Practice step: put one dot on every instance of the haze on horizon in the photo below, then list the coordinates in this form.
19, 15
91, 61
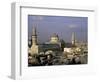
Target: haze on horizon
61, 25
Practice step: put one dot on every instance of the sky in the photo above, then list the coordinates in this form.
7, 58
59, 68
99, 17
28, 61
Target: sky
62, 25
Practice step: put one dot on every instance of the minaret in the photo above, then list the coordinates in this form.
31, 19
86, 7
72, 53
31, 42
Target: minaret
34, 48
34, 36
73, 38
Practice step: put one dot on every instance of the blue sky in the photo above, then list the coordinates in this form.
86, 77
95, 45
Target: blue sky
62, 25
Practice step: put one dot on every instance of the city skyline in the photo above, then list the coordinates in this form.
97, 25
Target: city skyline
61, 25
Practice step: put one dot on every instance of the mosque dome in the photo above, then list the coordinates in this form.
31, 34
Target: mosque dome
54, 38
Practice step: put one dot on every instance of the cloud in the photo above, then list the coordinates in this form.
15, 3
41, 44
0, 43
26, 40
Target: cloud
72, 26
39, 18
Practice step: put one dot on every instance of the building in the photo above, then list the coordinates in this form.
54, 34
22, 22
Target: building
70, 46
52, 47
54, 39
54, 44
73, 38
55, 51
33, 47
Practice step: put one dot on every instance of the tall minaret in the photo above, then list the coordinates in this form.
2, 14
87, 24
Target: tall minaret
73, 38
34, 36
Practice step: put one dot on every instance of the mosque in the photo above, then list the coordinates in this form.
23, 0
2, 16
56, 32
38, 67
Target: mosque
55, 51
54, 44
